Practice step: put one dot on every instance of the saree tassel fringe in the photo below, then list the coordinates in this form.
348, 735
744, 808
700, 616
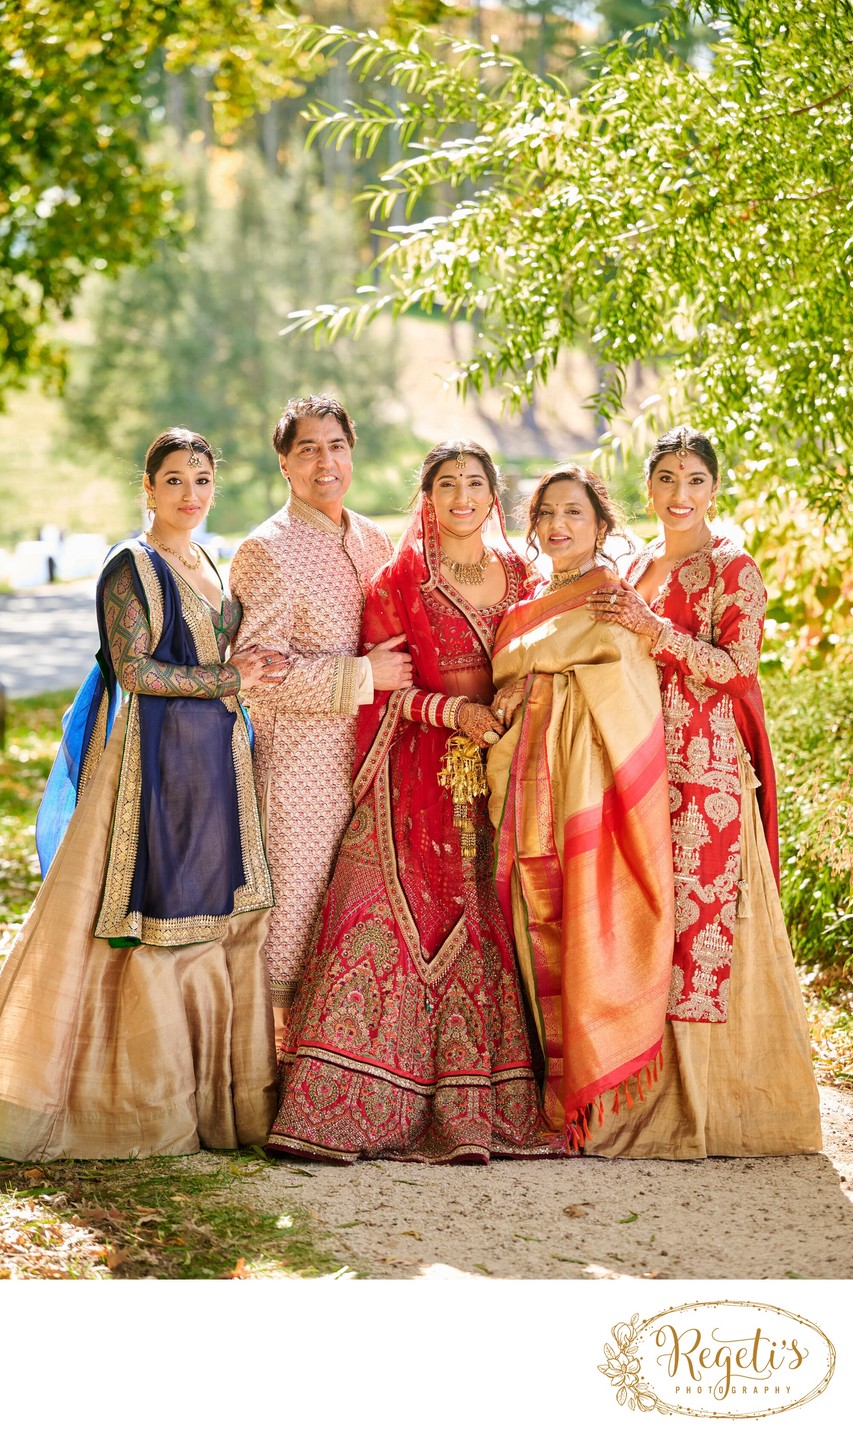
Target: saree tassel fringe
574, 1133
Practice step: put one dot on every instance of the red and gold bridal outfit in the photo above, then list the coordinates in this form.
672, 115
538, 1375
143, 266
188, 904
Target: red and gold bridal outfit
407, 1037
738, 1076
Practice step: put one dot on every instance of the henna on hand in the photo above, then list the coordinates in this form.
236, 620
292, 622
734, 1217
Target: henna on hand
619, 603
478, 722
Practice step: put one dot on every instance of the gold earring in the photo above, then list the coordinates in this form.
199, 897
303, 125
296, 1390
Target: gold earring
650, 508
150, 501
712, 509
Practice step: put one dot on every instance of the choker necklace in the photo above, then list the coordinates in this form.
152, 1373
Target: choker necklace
187, 563
561, 577
468, 573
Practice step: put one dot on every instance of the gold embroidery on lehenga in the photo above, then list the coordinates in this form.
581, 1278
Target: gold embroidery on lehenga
95, 748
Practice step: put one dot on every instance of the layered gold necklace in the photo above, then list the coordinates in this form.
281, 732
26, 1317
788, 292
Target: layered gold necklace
468, 573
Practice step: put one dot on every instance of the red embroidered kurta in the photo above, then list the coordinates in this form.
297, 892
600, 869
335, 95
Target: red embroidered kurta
713, 605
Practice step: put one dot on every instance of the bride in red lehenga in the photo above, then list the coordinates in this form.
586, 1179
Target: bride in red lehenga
408, 1036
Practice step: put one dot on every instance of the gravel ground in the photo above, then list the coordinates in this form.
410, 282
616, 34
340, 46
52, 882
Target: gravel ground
587, 1218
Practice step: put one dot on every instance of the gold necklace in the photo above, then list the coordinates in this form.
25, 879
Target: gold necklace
561, 577
186, 562
468, 573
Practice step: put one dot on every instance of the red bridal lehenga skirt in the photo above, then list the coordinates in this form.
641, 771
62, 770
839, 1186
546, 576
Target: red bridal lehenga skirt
395, 1054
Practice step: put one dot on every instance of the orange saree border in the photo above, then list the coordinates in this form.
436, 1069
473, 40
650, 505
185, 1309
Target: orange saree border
520, 619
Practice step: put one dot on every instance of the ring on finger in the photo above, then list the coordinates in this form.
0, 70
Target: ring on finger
613, 598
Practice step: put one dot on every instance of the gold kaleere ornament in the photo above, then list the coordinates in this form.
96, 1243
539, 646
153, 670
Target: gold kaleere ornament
464, 773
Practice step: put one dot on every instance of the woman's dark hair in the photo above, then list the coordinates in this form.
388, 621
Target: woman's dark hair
316, 406
676, 441
607, 511
450, 451
169, 442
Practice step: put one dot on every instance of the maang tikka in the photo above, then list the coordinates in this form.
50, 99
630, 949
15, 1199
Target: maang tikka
682, 453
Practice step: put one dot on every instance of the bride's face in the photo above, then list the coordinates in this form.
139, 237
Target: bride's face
567, 527
462, 497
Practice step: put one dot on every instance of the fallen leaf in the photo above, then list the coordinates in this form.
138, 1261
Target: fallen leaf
410, 1232
575, 1209
35, 1175
239, 1269
5, 1272
116, 1256
632, 1217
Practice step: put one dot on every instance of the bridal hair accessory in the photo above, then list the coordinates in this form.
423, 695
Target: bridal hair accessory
464, 773
461, 462
195, 461
682, 453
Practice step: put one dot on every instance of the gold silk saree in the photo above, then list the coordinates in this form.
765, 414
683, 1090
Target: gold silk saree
580, 802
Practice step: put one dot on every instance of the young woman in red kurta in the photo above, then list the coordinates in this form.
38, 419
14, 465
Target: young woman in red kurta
740, 1076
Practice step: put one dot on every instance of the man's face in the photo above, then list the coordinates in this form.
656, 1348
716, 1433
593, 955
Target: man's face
319, 465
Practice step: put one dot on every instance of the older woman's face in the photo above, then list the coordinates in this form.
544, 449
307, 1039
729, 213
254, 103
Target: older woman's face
567, 527
681, 489
461, 496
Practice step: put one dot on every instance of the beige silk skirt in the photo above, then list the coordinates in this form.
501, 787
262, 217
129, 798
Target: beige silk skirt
122, 1052
746, 1087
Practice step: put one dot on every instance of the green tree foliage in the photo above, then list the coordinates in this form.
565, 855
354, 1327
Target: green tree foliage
193, 338
699, 220
78, 188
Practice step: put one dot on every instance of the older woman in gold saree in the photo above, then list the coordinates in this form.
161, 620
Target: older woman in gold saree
581, 805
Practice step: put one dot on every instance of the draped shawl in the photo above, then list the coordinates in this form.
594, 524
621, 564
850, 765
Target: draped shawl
580, 800
185, 848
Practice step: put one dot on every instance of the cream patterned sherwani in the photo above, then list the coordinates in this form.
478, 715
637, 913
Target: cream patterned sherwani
300, 579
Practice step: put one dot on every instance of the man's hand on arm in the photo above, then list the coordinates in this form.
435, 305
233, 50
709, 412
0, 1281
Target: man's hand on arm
391, 668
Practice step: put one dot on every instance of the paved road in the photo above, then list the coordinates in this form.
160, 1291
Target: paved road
48, 638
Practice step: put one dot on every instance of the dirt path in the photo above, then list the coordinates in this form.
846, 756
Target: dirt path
722, 1218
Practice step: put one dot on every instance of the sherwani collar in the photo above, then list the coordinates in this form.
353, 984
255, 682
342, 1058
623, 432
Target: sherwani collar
316, 518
